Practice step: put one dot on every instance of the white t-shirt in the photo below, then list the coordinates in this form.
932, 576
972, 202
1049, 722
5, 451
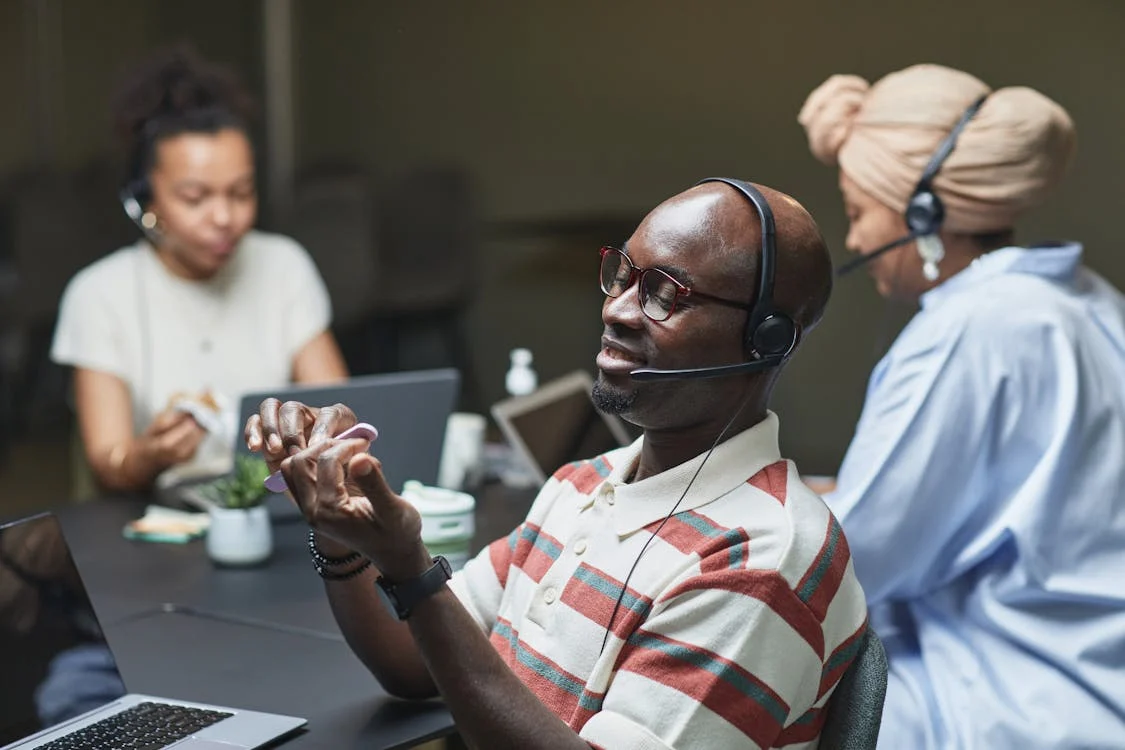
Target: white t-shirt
129, 316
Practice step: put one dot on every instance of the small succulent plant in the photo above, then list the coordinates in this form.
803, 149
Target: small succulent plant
243, 488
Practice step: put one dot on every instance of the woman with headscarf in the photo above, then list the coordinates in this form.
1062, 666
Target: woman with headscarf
983, 494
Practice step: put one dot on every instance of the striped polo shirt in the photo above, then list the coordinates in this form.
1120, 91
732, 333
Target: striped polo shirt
737, 622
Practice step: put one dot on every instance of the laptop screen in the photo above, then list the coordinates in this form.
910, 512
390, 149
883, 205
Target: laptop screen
54, 661
558, 424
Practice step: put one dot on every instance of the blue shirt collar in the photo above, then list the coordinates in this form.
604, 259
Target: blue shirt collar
1058, 262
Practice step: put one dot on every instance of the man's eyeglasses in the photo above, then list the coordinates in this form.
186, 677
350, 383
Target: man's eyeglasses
656, 290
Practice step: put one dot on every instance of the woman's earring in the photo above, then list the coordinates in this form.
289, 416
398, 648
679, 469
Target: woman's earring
148, 220
932, 251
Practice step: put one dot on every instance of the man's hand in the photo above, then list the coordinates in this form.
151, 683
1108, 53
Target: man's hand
342, 493
280, 430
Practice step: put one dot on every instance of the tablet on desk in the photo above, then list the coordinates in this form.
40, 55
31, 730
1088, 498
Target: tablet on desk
558, 424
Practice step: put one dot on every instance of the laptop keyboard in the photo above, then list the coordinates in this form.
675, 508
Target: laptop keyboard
145, 726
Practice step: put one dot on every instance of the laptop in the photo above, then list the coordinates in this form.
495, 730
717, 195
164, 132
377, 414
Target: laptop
558, 424
410, 409
59, 684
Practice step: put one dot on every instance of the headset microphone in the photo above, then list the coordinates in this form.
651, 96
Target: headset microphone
647, 374
865, 259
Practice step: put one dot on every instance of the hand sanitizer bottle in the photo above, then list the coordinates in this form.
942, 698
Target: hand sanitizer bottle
521, 378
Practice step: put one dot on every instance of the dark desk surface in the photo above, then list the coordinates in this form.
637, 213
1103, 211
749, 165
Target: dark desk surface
259, 638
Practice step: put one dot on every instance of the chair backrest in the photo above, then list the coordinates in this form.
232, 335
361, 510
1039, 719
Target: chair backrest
57, 224
855, 709
427, 247
334, 217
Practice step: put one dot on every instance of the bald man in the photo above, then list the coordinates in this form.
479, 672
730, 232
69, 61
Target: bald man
684, 591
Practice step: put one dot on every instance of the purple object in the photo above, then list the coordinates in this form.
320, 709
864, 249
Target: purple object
275, 482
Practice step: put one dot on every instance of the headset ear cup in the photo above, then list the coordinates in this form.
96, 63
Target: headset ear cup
774, 336
924, 213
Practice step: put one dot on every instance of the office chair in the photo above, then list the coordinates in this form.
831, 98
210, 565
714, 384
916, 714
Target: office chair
855, 710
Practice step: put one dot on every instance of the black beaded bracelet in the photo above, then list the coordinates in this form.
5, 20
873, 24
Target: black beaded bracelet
329, 575
323, 560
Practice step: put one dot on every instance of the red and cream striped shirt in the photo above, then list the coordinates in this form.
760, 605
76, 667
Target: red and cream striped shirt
737, 623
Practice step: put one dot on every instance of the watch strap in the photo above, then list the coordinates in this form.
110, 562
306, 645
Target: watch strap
402, 597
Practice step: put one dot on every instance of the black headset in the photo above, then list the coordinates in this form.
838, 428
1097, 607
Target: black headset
134, 196
925, 213
771, 334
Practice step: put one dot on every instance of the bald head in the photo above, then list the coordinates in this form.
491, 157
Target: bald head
726, 221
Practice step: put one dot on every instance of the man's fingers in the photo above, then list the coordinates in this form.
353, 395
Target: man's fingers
270, 425
330, 466
252, 433
294, 417
366, 472
330, 422
300, 472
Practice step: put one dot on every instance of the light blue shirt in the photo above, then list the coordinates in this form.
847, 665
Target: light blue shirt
983, 498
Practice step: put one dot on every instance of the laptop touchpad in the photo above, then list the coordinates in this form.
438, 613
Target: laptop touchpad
194, 743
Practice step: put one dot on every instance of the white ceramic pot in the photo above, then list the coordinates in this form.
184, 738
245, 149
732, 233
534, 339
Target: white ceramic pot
239, 536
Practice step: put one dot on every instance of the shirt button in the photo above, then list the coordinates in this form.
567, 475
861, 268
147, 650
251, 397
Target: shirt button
609, 498
549, 595
580, 546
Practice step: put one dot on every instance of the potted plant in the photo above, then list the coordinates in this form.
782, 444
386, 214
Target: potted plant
239, 533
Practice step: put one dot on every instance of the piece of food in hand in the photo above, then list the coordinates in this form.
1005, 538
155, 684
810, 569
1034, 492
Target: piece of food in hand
206, 399
203, 407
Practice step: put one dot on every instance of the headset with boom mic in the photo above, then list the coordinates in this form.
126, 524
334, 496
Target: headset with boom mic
132, 198
770, 334
925, 212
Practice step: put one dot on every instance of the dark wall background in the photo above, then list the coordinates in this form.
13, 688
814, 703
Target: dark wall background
572, 119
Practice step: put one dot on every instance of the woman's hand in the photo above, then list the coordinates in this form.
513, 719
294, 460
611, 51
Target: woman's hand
171, 439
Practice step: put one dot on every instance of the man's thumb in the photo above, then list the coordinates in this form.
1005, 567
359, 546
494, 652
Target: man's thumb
367, 473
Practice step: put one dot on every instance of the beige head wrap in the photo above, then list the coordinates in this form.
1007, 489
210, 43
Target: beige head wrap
1008, 158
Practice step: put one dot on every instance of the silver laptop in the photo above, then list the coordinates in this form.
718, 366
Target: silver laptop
558, 424
59, 684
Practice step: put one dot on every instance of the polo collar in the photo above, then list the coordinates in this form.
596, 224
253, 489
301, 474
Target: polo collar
734, 461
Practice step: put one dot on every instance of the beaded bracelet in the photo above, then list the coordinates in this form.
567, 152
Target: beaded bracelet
329, 575
324, 560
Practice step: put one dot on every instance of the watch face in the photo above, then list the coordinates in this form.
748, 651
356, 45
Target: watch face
445, 566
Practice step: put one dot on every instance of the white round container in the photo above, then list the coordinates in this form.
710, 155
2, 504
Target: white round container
447, 520
238, 536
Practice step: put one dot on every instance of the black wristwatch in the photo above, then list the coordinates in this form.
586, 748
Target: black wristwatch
402, 597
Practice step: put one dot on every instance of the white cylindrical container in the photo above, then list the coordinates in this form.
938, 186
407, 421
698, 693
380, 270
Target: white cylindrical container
460, 466
239, 536
447, 520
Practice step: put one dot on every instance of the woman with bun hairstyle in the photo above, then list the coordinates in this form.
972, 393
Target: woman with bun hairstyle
983, 494
164, 335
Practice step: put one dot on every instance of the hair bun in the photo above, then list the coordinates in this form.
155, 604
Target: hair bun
174, 83
829, 112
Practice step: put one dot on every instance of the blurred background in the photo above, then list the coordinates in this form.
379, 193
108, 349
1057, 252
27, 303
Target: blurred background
454, 167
